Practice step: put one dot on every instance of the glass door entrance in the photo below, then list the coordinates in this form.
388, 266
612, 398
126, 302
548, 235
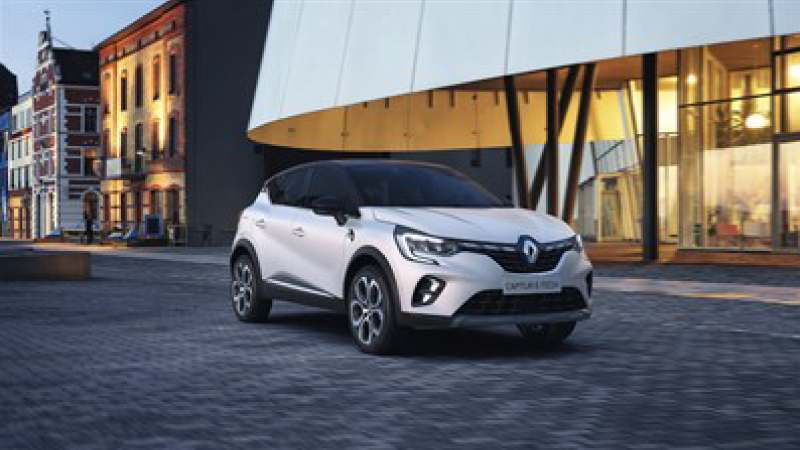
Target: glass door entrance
788, 198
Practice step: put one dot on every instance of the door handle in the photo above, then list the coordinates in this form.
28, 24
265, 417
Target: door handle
299, 232
261, 223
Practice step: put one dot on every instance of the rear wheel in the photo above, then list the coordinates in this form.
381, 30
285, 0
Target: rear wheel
371, 312
247, 303
546, 335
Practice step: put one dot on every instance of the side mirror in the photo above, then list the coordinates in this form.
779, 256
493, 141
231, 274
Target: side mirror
330, 206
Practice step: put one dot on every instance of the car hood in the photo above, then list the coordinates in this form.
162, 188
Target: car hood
500, 225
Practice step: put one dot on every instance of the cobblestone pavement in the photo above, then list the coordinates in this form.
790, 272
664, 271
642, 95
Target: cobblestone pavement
148, 355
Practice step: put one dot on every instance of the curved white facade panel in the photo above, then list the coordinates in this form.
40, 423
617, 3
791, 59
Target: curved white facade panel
660, 25
556, 33
461, 42
322, 54
319, 50
381, 50
275, 65
787, 16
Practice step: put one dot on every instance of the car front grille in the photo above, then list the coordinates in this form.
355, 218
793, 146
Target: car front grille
517, 262
494, 303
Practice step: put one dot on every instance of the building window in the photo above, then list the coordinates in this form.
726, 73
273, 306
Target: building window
104, 145
155, 202
137, 139
156, 77
106, 208
173, 207
107, 85
123, 211
172, 145
88, 167
123, 143
123, 91
137, 206
139, 88
90, 120
726, 147
173, 74
154, 144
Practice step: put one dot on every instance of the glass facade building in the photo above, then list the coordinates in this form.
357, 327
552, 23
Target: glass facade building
739, 171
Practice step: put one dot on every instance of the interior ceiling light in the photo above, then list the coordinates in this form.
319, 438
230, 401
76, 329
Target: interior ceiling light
755, 121
691, 79
794, 71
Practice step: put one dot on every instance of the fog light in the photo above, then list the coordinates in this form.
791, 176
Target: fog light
427, 291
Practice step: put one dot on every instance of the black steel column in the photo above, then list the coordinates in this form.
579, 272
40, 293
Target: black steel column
576, 161
650, 159
563, 107
517, 147
551, 148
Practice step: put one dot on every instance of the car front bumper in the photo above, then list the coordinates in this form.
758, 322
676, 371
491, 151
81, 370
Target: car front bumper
473, 294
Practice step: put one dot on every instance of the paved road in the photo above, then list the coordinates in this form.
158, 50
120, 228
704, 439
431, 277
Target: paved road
147, 355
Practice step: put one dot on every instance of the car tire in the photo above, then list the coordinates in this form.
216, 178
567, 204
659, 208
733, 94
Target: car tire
546, 335
371, 312
248, 304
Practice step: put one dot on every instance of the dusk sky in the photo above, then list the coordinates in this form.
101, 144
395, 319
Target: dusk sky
80, 23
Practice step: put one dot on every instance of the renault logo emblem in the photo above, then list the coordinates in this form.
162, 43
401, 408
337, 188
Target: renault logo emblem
529, 249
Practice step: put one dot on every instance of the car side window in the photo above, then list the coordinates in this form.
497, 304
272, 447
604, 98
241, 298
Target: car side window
288, 189
326, 182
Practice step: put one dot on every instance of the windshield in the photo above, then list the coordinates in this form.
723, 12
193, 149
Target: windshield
415, 185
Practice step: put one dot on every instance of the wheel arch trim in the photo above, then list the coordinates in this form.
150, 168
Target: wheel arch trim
246, 246
373, 253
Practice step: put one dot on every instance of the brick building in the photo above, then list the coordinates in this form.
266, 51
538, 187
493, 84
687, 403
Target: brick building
177, 85
65, 134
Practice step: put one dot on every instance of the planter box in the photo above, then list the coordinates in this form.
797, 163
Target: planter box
33, 265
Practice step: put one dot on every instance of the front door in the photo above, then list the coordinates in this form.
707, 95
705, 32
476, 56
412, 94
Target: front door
788, 195
319, 241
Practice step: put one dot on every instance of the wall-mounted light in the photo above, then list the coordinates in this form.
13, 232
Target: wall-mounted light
691, 79
755, 121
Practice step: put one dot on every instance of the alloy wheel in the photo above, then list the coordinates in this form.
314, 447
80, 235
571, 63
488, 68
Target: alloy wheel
367, 310
242, 288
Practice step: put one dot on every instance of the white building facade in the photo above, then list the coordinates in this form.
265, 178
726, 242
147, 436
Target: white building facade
20, 169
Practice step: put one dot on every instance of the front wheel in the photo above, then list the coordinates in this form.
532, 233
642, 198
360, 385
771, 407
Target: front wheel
371, 312
247, 303
546, 335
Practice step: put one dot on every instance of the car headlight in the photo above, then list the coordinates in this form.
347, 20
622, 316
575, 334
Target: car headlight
420, 247
577, 243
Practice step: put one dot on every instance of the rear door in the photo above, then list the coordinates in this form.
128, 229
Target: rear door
276, 209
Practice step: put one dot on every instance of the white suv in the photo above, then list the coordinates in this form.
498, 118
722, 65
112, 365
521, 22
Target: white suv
401, 244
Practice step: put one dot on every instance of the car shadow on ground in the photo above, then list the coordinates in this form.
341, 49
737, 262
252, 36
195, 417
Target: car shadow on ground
463, 343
